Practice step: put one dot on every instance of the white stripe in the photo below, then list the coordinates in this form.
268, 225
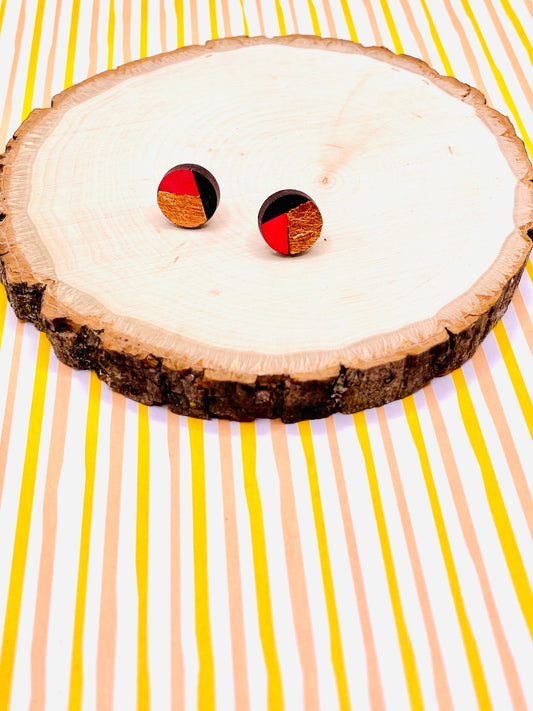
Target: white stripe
254, 652
510, 404
15, 463
96, 552
58, 81
402, 564
431, 558
22, 670
187, 29
204, 23
219, 613
327, 686
519, 433
159, 562
372, 566
70, 495
252, 17
345, 599
125, 693
496, 567
135, 29
187, 612
284, 631
469, 583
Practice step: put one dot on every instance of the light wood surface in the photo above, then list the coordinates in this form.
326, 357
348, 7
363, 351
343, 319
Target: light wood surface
425, 194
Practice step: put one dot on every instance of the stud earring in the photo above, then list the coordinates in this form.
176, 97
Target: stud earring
188, 195
290, 222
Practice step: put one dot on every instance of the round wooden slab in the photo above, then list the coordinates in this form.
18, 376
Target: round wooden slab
425, 195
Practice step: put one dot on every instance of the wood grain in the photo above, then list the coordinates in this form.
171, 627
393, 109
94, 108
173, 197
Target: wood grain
425, 191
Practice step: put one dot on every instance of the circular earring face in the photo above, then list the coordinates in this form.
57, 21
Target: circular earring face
188, 195
290, 221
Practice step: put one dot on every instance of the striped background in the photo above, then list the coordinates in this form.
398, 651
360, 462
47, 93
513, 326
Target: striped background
378, 561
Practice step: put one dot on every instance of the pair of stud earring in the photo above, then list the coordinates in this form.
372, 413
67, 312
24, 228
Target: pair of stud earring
289, 220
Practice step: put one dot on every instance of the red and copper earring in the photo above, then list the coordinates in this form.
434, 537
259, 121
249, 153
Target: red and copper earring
290, 222
188, 195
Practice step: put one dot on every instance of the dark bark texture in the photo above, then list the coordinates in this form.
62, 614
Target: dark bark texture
189, 392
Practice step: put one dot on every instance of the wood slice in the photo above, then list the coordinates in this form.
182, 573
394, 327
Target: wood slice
425, 193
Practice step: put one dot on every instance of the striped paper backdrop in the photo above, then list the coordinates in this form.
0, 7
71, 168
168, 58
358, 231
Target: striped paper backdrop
383, 560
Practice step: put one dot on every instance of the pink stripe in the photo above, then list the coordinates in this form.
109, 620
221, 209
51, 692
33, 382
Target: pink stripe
226, 18
177, 684
46, 566
515, 62
238, 642
467, 49
373, 22
107, 632
295, 568
469, 533
47, 93
329, 18
442, 687
10, 401
126, 30
8, 102
492, 399
524, 318
260, 17
194, 23
93, 39
293, 16
375, 687
163, 26
416, 32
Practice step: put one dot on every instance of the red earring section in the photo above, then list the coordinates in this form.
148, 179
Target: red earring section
188, 195
290, 222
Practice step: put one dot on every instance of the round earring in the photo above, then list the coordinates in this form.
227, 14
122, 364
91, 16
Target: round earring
290, 222
188, 195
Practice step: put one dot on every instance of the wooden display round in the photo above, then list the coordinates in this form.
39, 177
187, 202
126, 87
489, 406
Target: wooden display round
425, 194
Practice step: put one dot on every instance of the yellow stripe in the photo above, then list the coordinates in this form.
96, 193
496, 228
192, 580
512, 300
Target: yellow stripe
337, 655
27, 104
213, 19
91, 441
178, 7
206, 672
499, 77
2, 11
529, 269
495, 500
404, 640
314, 18
3, 311
392, 27
141, 557
72, 39
508, 355
517, 379
111, 35
244, 21
511, 14
349, 21
436, 39
144, 28
262, 584
22, 531
469, 641
281, 19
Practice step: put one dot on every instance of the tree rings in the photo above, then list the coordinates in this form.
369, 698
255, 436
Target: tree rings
290, 221
188, 195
